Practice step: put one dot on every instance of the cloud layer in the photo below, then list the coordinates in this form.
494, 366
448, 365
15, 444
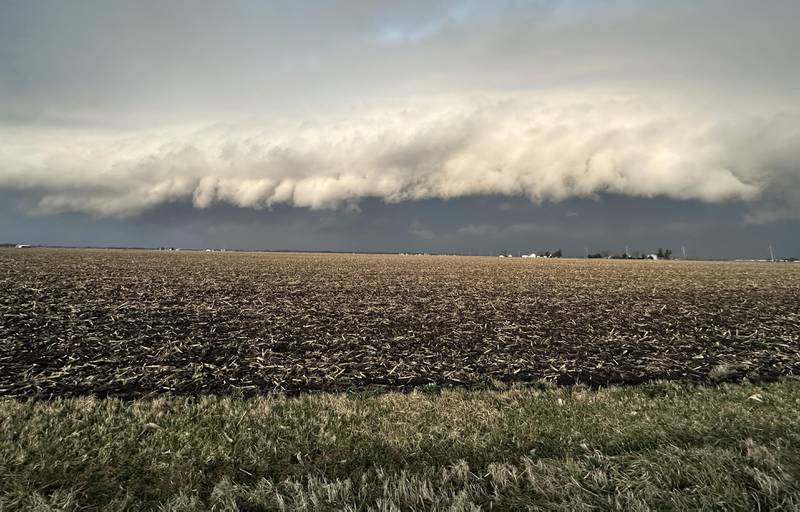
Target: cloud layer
115, 109
543, 147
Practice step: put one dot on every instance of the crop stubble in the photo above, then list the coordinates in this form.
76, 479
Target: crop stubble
143, 323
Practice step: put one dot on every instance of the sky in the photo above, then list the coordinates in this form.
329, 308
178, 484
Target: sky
455, 126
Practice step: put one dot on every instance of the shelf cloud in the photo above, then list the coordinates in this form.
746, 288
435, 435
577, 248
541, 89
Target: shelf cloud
541, 147
543, 100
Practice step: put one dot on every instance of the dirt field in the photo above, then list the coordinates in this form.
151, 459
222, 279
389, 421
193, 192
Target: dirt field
142, 323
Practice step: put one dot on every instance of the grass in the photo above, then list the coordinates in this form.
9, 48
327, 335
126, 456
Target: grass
661, 446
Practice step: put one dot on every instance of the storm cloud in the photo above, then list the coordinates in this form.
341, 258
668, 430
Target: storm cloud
117, 110
542, 148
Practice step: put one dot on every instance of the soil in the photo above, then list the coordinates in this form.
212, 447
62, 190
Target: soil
134, 324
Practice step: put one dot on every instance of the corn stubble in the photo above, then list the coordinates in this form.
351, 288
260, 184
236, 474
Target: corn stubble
134, 324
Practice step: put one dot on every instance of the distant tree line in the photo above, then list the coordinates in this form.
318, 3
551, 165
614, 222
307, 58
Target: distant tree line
662, 254
545, 254
665, 254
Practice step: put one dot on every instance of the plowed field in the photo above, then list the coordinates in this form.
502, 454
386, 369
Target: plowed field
144, 323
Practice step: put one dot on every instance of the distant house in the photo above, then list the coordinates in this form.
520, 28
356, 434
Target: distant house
23, 246
651, 257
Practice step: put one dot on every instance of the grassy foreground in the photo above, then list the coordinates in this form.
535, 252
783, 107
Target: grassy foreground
657, 446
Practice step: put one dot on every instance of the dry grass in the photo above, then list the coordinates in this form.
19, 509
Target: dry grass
651, 447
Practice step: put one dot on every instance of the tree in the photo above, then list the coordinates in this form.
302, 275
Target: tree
660, 253
557, 254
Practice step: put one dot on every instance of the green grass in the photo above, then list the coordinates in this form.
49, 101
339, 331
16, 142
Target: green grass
654, 447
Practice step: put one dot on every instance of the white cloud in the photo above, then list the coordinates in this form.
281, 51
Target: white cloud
544, 147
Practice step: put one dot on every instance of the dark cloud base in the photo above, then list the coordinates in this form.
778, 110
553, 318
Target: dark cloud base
475, 225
